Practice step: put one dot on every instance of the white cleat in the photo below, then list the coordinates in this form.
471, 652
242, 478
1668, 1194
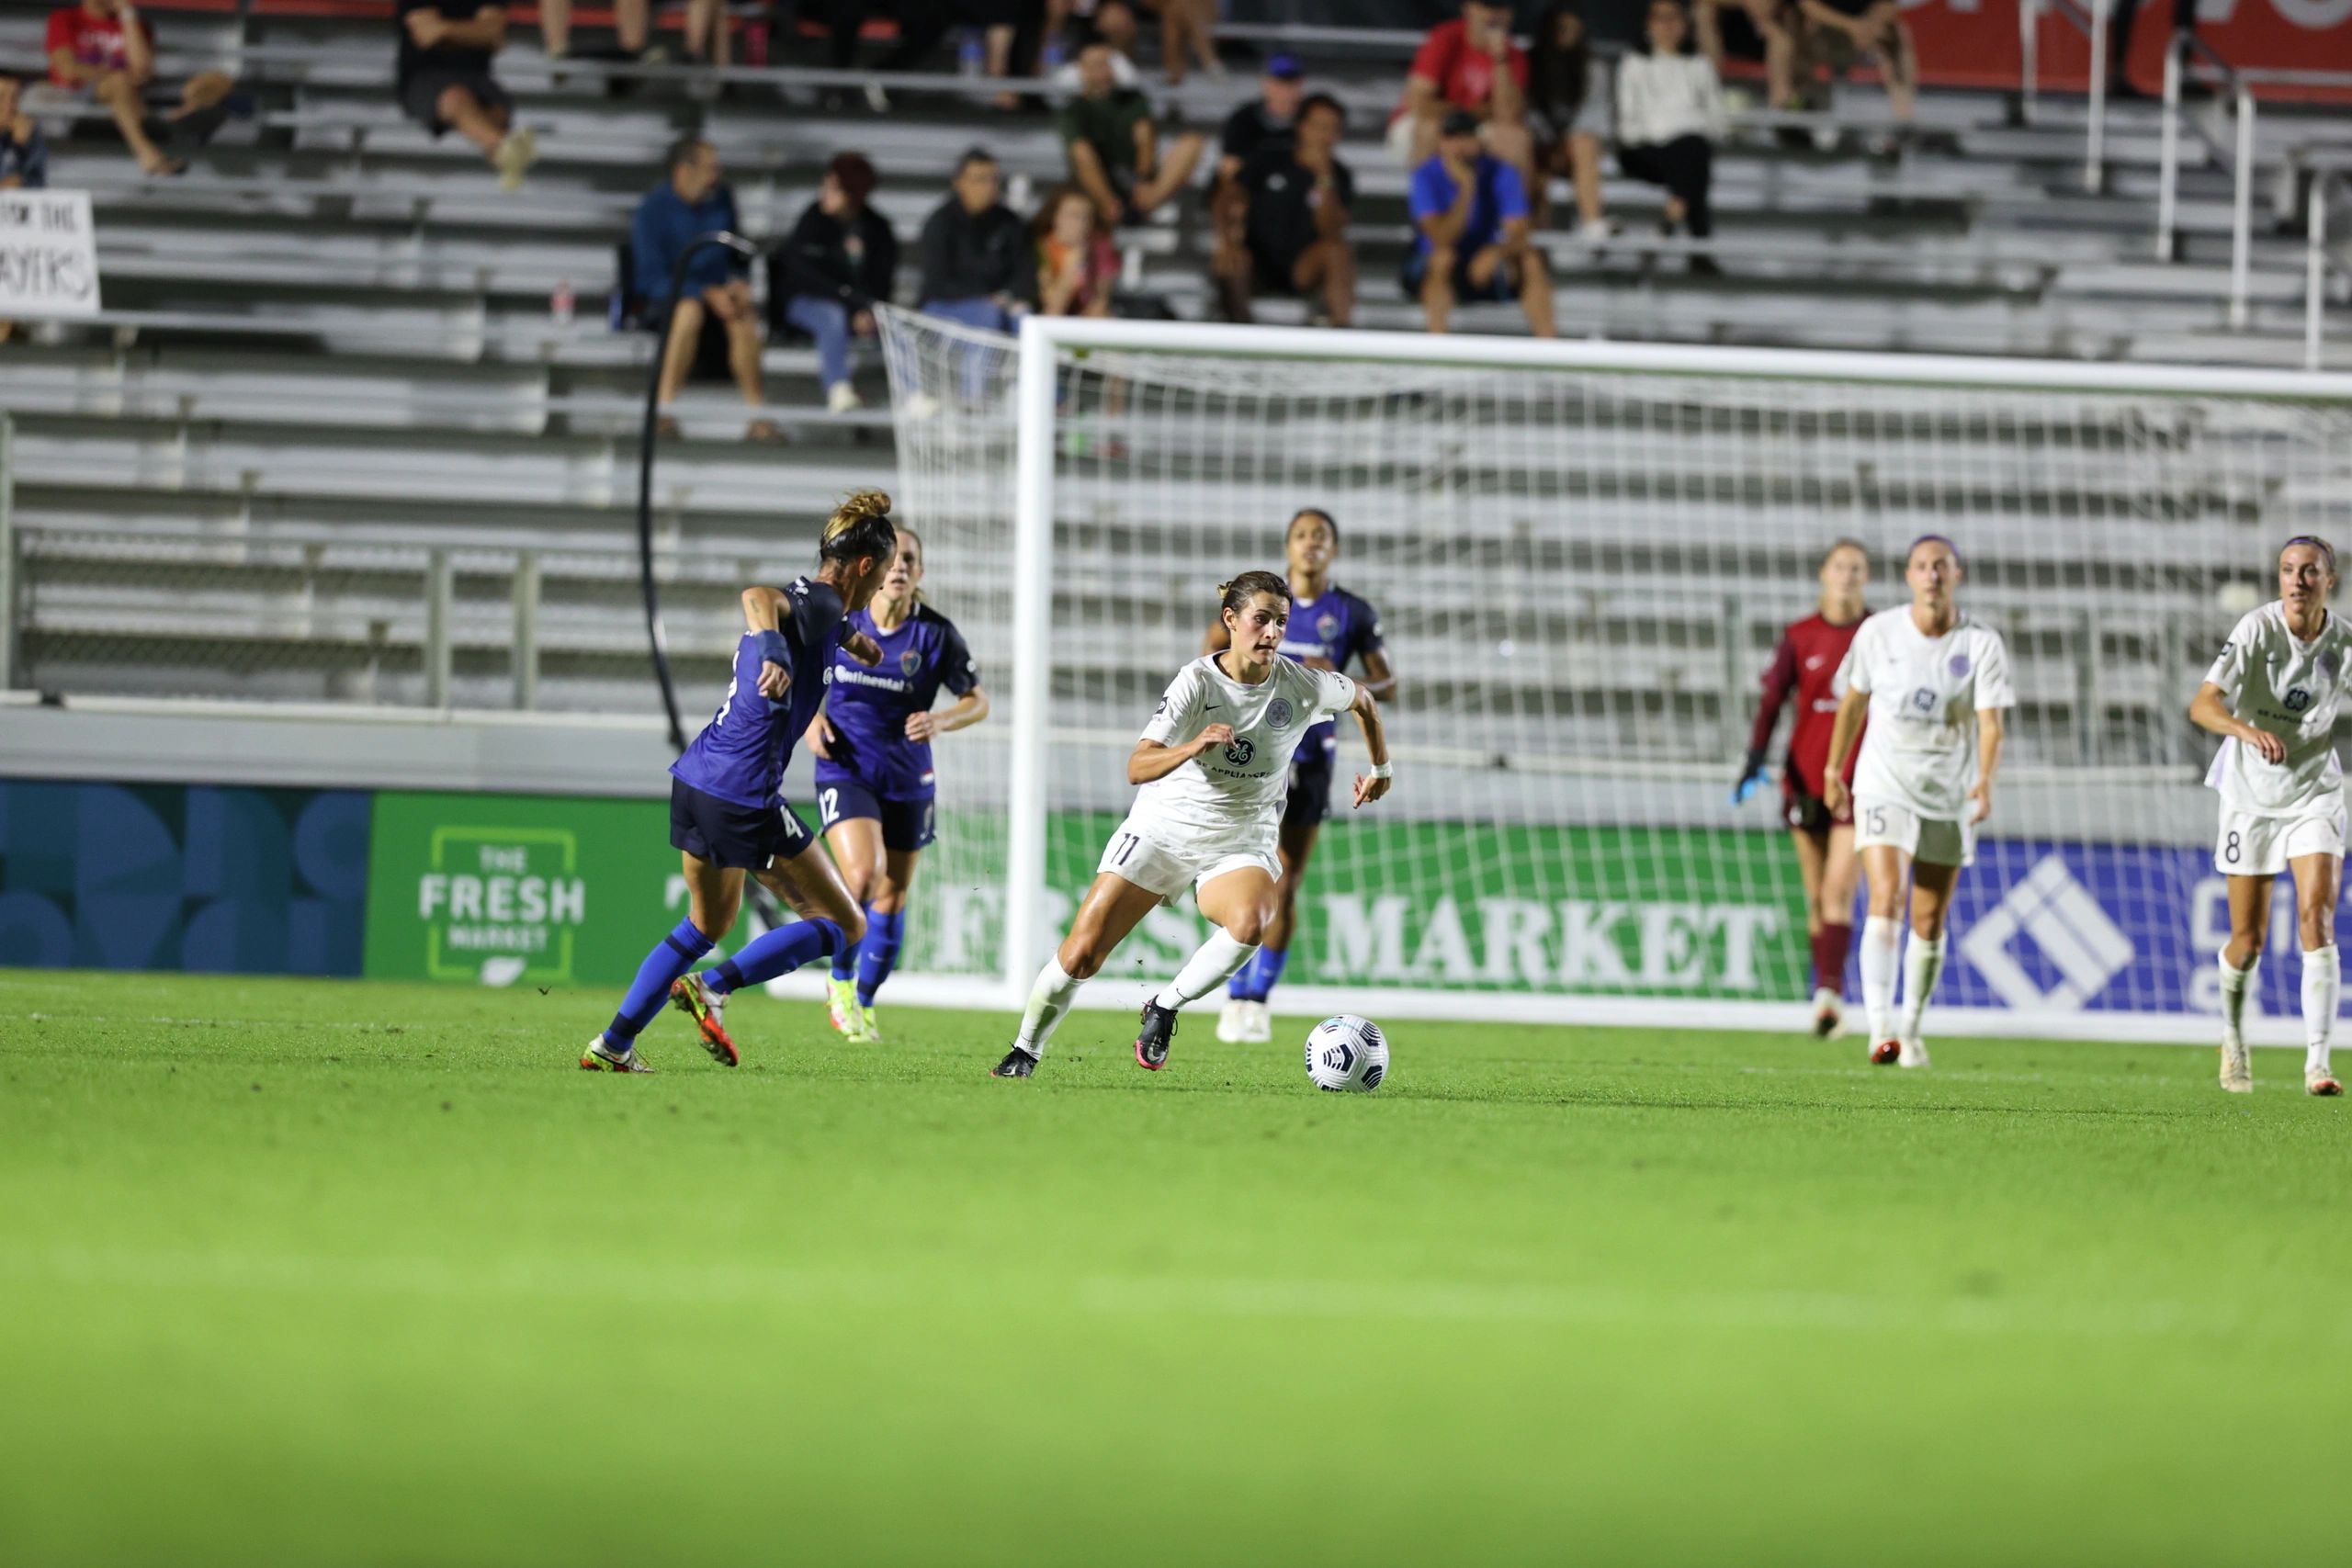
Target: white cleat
1256, 1023
1228, 1019
2321, 1083
600, 1058
841, 1007
2237, 1072
1913, 1055
1828, 1014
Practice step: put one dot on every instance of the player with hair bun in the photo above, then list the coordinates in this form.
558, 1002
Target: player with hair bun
1212, 770
2273, 696
1804, 669
1934, 685
1328, 627
727, 815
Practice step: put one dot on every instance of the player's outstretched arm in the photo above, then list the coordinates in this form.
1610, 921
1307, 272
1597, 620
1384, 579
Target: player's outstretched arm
1851, 710
1372, 786
1150, 759
1992, 730
763, 612
2209, 710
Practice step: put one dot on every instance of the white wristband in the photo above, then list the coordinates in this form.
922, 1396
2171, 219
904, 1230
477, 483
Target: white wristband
1380, 770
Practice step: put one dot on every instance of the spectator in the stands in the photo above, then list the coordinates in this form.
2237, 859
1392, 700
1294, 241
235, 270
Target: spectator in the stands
974, 251
1112, 21
1269, 116
1114, 148
1187, 37
1568, 95
1282, 221
1077, 267
445, 82
842, 256
1467, 66
1765, 33
921, 24
1472, 231
1669, 115
631, 27
693, 201
24, 156
108, 46
1846, 31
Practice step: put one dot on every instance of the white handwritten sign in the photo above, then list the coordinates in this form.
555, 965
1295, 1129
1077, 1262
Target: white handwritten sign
49, 254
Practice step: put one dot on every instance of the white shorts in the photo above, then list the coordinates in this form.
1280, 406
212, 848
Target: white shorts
2261, 846
1938, 841
1400, 140
1163, 858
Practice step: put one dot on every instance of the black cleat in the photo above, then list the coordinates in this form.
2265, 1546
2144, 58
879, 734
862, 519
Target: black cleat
1017, 1064
1158, 1030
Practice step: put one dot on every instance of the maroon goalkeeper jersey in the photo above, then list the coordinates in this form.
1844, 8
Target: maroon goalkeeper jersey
1803, 667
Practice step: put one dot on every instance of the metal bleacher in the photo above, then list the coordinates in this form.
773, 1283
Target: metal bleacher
328, 443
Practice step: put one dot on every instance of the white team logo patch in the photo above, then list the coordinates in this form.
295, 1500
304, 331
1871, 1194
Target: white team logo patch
1278, 713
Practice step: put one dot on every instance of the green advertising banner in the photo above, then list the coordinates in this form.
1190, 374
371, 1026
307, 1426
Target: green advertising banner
542, 890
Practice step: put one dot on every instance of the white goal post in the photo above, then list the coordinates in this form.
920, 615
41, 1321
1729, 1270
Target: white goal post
1584, 553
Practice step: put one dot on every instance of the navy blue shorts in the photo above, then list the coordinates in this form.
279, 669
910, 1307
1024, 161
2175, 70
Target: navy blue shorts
1503, 284
721, 833
1310, 794
906, 818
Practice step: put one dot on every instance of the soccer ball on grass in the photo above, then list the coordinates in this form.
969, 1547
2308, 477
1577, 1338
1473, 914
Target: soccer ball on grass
1346, 1054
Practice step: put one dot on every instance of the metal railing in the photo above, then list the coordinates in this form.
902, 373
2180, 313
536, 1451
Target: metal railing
2326, 169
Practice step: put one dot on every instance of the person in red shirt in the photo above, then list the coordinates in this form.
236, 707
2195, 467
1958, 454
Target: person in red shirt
1804, 667
107, 47
1468, 64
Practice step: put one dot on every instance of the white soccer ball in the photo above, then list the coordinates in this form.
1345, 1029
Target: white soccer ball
1347, 1054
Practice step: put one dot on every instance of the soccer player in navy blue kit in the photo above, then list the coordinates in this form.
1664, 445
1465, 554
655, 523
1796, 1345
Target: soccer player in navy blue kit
727, 815
1328, 627
874, 783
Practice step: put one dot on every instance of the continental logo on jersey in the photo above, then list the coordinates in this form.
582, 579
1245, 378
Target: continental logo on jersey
908, 663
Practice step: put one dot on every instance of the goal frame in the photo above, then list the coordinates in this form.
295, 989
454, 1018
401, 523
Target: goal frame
1044, 340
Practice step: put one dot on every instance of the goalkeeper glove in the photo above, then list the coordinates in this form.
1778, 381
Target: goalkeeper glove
1752, 775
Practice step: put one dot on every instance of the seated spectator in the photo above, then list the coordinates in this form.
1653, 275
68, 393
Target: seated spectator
631, 26
1764, 31
24, 156
1112, 21
921, 24
1669, 113
690, 202
1186, 28
1114, 148
842, 255
1567, 99
444, 84
1471, 230
107, 47
1077, 267
1468, 64
1282, 221
974, 251
1843, 32
1269, 116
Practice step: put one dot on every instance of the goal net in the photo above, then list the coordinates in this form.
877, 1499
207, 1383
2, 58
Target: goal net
1583, 555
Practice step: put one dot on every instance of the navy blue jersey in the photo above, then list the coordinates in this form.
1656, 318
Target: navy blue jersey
742, 753
1333, 629
869, 707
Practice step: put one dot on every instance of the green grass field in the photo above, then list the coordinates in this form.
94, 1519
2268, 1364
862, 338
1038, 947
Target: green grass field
302, 1272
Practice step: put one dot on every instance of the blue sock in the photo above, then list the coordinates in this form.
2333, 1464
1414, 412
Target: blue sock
1237, 989
879, 954
774, 953
846, 961
1265, 971
676, 953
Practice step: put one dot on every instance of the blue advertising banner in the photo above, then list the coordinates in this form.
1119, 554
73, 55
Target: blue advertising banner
167, 877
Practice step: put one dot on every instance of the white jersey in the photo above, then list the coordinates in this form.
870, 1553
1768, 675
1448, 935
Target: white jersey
1242, 784
2275, 680
1920, 751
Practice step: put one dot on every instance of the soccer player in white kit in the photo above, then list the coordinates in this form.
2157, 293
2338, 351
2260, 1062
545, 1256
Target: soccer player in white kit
1213, 767
1934, 685
2272, 697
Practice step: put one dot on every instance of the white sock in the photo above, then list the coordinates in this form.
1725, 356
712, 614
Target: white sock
1881, 939
1923, 964
2235, 983
2321, 981
1049, 1000
1219, 960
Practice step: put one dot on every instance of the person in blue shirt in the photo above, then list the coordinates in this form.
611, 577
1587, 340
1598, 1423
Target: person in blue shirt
874, 783
24, 156
1471, 229
690, 202
1329, 627
727, 815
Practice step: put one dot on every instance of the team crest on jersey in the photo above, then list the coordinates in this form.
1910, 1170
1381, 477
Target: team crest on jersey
2329, 662
908, 663
1278, 713
1959, 665
1238, 750
1326, 625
